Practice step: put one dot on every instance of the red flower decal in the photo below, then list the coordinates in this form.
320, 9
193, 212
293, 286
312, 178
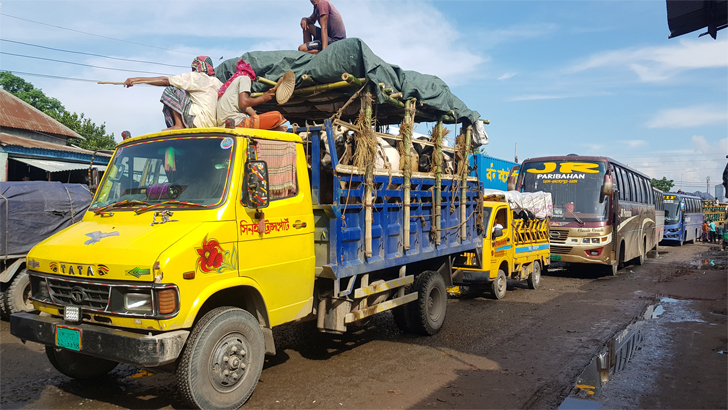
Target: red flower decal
210, 255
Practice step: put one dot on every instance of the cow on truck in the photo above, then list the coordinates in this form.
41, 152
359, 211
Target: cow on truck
516, 245
200, 241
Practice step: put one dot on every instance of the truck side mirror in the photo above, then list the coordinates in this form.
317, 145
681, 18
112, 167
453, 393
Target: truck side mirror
497, 232
512, 177
255, 185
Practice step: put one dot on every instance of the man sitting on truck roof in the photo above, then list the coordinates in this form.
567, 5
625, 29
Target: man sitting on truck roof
190, 99
235, 103
316, 39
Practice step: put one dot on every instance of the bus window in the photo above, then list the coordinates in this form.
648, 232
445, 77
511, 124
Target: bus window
625, 185
632, 187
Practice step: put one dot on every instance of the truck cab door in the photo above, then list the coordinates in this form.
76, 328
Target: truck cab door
503, 243
276, 243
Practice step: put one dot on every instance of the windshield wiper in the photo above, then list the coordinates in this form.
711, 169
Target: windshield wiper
567, 210
150, 207
125, 202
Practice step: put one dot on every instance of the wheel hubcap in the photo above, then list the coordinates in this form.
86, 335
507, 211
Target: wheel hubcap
228, 362
434, 307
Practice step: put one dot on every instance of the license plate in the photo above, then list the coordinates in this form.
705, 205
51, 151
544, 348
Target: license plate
68, 337
555, 257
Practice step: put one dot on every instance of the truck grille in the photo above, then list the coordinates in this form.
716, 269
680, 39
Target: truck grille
90, 295
560, 250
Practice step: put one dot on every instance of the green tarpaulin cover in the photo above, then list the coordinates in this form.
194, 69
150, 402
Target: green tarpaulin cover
354, 57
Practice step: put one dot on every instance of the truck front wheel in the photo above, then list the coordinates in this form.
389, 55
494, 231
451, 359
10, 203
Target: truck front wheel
17, 295
77, 365
223, 359
427, 313
499, 285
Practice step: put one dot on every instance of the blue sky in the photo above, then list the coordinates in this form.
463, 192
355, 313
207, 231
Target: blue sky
553, 77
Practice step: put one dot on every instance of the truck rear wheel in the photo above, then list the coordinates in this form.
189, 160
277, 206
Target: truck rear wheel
427, 313
534, 279
223, 359
77, 365
499, 286
17, 295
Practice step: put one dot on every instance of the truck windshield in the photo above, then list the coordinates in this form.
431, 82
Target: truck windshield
672, 211
574, 186
193, 170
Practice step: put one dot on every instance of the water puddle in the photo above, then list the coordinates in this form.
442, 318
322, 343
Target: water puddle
614, 358
711, 260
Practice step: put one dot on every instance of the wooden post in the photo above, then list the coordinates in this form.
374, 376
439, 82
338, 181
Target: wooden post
407, 141
368, 179
464, 184
438, 181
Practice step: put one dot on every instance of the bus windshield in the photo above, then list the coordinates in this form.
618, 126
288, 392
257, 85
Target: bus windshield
190, 170
672, 209
575, 187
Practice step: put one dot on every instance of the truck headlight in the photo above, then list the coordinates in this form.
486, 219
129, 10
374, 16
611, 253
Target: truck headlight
138, 302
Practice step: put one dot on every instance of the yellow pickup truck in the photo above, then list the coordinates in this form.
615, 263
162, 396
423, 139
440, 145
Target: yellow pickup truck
516, 249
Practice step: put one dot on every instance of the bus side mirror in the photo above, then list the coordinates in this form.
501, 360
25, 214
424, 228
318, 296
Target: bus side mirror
255, 185
512, 178
607, 188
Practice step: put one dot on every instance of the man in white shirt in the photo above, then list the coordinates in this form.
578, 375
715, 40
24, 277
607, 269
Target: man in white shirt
190, 99
235, 103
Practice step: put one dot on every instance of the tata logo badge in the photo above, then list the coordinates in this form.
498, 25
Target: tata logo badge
78, 294
33, 263
554, 235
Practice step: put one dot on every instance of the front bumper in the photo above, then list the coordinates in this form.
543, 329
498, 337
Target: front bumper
143, 350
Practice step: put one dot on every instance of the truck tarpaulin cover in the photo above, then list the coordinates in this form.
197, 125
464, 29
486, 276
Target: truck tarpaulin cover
34, 210
538, 203
354, 57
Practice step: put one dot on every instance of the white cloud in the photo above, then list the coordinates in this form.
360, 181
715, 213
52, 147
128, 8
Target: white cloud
656, 64
633, 143
689, 117
506, 76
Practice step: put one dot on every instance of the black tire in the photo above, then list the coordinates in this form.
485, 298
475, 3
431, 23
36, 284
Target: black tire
640, 260
77, 365
222, 360
17, 295
402, 316
499, 286
3, 311
427, 313
534, 279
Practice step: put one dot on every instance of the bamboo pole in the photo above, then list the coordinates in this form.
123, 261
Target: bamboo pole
464, 184
122, 83
407, 135
431, 117
438, 181
353, 80
307, 79
368, 179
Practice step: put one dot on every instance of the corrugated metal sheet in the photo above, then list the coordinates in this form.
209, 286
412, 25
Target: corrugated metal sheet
7, 139
16, 113
57, 166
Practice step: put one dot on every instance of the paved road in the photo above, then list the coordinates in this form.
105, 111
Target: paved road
525, 351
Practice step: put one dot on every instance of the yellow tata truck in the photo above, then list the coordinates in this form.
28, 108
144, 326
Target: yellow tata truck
516, 248
200, 241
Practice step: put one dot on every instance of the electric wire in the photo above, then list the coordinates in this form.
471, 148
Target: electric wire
79, 64
51, 76
97, 35
91, 54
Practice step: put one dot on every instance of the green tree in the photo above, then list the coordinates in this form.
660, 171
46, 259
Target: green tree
664, 184
96, 136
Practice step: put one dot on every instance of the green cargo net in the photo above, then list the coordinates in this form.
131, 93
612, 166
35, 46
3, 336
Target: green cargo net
325, 82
